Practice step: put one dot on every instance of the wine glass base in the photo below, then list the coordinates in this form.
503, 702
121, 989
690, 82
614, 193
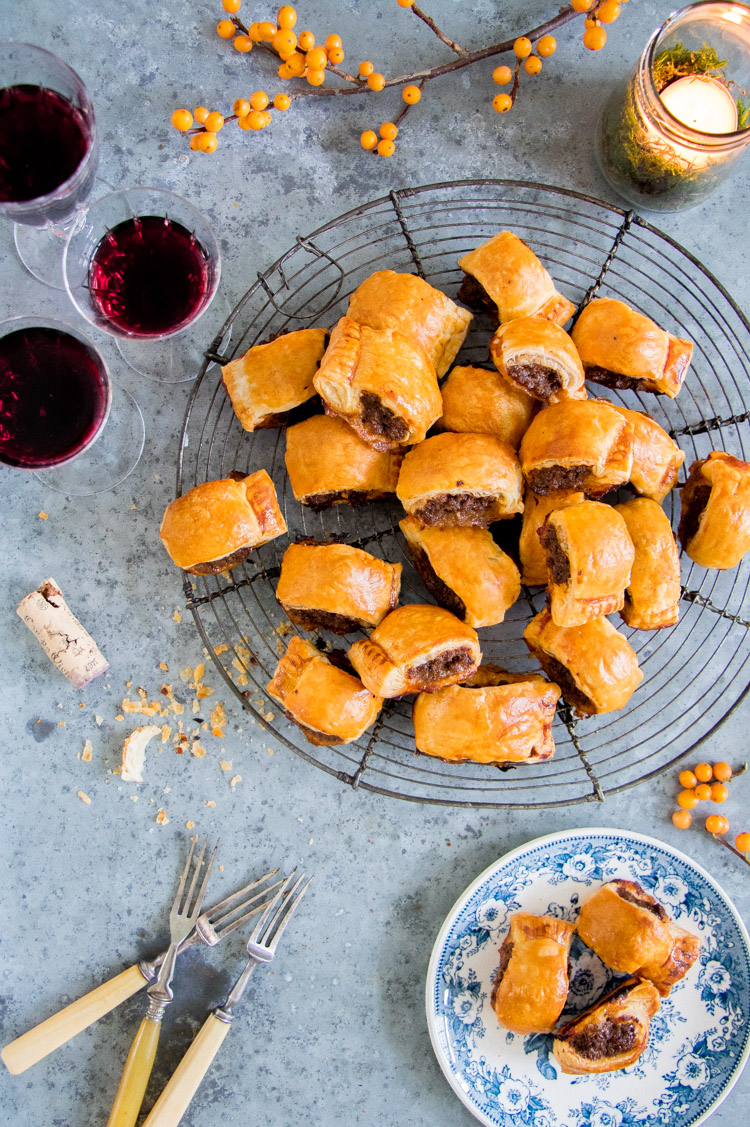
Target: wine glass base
109, 460
177, 359
41, 252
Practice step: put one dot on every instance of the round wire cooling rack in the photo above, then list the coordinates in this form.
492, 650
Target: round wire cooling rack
694, 674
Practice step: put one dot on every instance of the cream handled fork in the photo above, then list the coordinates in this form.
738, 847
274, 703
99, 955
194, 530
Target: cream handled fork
261, 948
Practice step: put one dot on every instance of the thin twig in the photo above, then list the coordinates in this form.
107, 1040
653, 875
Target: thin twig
434, 27
722, 841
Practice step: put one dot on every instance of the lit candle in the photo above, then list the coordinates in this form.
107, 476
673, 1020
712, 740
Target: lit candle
702, 103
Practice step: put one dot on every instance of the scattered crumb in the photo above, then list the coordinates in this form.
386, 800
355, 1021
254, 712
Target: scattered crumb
43, 516
134, 798
310, 840
221, 868
204, 691
234, 780
198, 749
134, 752
84, 797
225, 764
267, 716
196, 707
218, 720
61, 723
222, 649
186, 673
209, 802
133, 506
166, 732
161, 818
163, 665
177, 708
199, 671
269, 750
88, 751
128, 684
81, 705
189, 825
98, 720
177, 616
119, 718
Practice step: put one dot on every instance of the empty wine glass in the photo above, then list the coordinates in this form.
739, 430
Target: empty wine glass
144, 265
48, 154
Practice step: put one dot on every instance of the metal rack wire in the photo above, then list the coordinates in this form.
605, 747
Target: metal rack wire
694, 674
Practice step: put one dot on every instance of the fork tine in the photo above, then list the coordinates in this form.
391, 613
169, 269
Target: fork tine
221, 923
288, 908
237, 896
183, 878
196, 870
275, 916
259, 927
202, 890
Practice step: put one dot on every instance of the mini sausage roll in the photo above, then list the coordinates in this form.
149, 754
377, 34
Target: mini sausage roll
336, 587
575, 444
536, 509
619, 347
328, 464
217, 524
272, 380
381, 382
631, 932
714, 525
505, 277
327, 703
387, 300
495, 717
595, 667
589, 560
652, 599
531, 984
460, 479
478, 401
656, 457
416, 648
609, 1035
464, 570
538, 357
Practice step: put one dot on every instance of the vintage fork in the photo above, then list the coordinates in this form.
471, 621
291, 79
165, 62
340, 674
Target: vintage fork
182, 920
211, 927
261, 948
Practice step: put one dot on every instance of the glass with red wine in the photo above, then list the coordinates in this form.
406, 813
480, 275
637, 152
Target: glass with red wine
48, 154
60, 417
144, 265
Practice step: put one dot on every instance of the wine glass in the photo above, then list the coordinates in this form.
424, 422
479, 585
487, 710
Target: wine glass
60, 416
144, 265
49, 154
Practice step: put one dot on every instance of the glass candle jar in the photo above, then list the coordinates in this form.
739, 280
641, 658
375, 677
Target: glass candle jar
671, 136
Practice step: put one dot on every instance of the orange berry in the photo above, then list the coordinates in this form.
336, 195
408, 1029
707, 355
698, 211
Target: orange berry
284, 71
501, 76
722, 772
742, 842
333, 42
704, 772
546, 46
688, 779
282, 102
405, 3
502, 103
386, 148
581, 5
259, 100
376, 81
368, 139
214, 122
296, 64
266, 118
317, 58
719, 793
608, 11
335, 55
687, 799
244, 121
594, 38
306, 41
315, 77
286, 17
591, 21
231, 6
266, 31
208, 141
256, 119
284, 42
702, 792
388, 131
533, 65
200, 113
182, 120
681, 819
241, 107
242, 43
254, 32
522, 47
717, 824
225, 29
196, 142
365, 69
411, 95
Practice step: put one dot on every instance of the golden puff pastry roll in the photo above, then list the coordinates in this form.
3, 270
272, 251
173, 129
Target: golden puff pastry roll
631, 932
589, 559
272, 380
328, 464
478, 401
714, 524
577, 444
595, 667
536, 509
531, 985
387, 300
416, 648
656, 457
330, 705
217, 525
609, 1035
336, 587
538, 357
504, 276
652, 599
495, 717
620, 347
460, 479
381, 382
464, 570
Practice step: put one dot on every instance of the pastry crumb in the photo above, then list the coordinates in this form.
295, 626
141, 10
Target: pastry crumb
222, 649
166, 732
119, 718
161, 818
209, 802
198, 749
225, 764
84, 797
61, 723
88, 751
133, 797
177, 616
189, 825
234, 780
134, 752
163, 665
269, 750
98, 720
43, 516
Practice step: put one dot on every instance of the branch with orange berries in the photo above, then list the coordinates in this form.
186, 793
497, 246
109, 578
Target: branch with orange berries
308, 64
706, 783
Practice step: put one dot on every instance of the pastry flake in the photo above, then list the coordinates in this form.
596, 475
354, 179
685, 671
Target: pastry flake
577, 444
609, 1035
478, 401
714, 524
531, 984
506, 277
652, 598
536, 509
272, 380
656, 457
538, 357
328, 464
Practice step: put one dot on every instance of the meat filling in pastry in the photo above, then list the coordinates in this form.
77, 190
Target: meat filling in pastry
505, 277
581, 445
328, 464
652, 599
536, 509
609, 1035
538, 357
531, 984
478, 401
272, 381
656, 457
714, 525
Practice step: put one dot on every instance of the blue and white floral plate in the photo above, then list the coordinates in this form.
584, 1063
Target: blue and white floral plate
699, 1039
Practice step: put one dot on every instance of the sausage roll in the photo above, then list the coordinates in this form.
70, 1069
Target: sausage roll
619, 347
336, 587
631, 932
575, 444
460, 479
477, 401
656, 457
217, 524
495, 717
611, 1034
531, 984
595, 667
328, 464
416, 648
387, 300
589, 559
271, 380
536, 509
505, 277
381, 382
652, 598
327, 703
538, 357
714, 525
464, 570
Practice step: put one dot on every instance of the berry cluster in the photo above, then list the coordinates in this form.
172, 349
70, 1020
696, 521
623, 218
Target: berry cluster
708, 784
531, 62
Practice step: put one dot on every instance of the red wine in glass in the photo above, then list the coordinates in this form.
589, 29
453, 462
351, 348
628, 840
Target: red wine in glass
149, 276
54, 397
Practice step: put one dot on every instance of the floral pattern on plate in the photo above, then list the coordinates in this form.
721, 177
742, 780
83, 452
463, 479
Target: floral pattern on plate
699, 1038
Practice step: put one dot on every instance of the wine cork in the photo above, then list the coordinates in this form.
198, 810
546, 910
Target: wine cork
62, 637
